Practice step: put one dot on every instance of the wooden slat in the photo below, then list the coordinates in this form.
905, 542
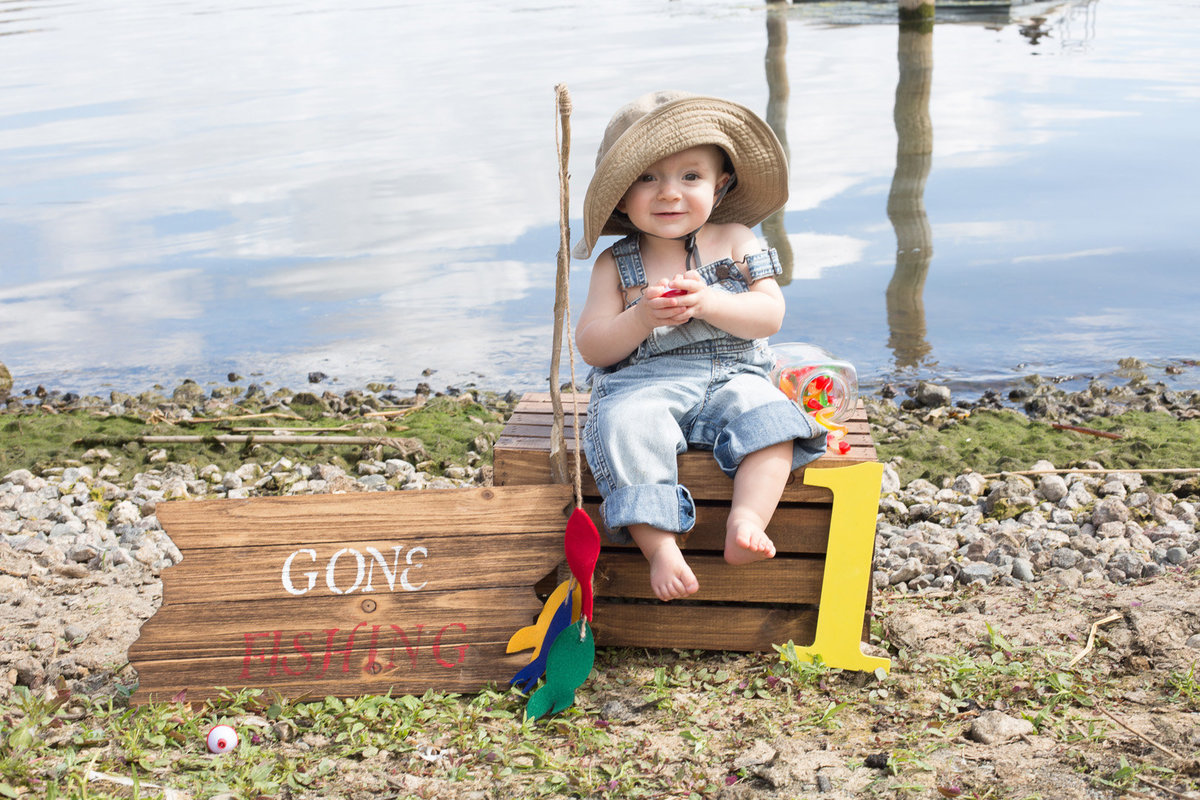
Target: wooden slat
470, 562
702, 477
521, 455
703, 627
536, 416
795, 528
201, 524
536, 436
775, 580
221, 628
162, 679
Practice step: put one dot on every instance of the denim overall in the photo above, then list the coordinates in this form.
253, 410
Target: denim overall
686, 385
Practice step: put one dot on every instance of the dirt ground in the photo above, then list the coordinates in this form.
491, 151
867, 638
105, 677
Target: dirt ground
1120, 719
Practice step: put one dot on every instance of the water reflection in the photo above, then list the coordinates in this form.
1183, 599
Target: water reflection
778, 91
906, 198
189, 189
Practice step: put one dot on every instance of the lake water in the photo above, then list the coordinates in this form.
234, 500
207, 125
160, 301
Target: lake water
190, 188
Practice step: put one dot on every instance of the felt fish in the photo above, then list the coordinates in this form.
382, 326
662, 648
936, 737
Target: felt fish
528, 675
582, 545
570, 662
533, 635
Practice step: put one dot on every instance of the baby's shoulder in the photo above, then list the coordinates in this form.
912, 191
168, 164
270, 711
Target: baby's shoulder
734, 239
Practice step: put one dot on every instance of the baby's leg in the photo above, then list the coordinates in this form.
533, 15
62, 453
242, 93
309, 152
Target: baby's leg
670, 576
757, 487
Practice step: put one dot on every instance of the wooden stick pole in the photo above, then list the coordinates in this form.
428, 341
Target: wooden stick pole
558, 447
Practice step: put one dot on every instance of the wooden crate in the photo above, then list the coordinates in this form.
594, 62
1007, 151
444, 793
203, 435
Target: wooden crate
745, 608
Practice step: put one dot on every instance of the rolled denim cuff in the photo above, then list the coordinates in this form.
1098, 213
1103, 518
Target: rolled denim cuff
666, 507
764, 426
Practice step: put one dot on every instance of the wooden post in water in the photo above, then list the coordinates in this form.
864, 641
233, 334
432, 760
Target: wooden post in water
916, 15
906, 198
778, 91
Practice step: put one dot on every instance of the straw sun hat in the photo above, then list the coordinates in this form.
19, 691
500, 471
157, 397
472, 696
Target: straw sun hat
661, 123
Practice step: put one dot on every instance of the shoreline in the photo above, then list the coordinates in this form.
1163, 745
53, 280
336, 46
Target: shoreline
1178, 375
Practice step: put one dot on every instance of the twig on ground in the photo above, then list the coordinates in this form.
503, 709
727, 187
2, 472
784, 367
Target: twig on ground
1172, 792
1091, 640
369, 441
1140, 735
393, 413
1089, 431
264, 415
1112, 471
297, 430
168, 793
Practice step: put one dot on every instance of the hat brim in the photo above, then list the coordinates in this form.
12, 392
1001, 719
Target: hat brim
757, 156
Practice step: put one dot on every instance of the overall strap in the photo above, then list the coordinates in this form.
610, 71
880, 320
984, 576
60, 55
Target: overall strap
628, 256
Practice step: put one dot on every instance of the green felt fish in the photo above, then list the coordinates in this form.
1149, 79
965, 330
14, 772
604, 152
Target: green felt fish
571, 658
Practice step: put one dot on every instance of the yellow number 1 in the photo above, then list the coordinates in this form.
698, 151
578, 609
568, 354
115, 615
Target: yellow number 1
847, 566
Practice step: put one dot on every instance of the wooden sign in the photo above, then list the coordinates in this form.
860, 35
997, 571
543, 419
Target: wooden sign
349, 594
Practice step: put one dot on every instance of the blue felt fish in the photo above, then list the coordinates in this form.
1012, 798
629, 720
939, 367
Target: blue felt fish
528, 676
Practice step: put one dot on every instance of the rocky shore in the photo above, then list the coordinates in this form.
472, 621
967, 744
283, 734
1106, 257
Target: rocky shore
80, 520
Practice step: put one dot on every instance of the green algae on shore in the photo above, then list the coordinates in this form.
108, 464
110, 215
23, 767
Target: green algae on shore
447, 427
990, 441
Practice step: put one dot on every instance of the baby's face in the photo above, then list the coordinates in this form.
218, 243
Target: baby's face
675, 196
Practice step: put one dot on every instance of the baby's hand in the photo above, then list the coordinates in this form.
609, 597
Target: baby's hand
693, 292
661, 305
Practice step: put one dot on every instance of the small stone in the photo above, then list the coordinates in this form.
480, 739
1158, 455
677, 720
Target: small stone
1053, 488
876, 761
977, 572
1110, 509
1022, 569
82, 553
931, 395
618, 711
29, 672
759, 753
996, 727
124, 513
189, 393
970, 483
1064, 558
908, 570
71, 569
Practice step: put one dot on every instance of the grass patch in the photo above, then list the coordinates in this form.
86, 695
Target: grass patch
995, 441
37, 439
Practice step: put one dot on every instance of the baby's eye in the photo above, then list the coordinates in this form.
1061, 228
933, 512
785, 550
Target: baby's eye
692, 176
645, 178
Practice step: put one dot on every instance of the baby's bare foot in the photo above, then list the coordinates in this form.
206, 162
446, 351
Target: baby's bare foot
746, 542
670, 576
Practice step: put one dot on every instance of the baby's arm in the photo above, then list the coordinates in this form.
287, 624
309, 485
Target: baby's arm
607, 331
755, 314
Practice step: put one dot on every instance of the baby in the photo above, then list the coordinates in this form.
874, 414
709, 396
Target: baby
677, 339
